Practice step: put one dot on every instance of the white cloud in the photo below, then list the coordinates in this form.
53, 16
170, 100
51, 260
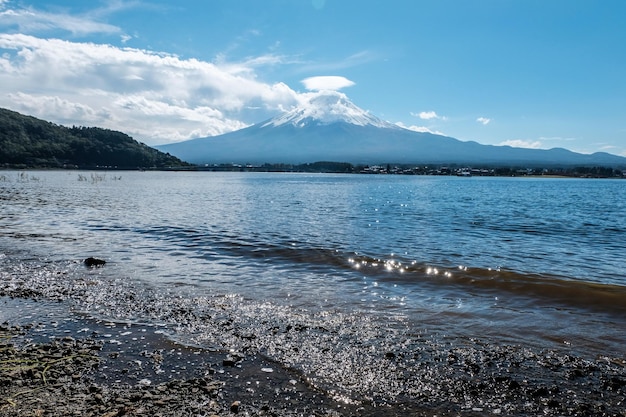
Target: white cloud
61, 109
155, 97
421, 129
556, 139
483, 120
30, 20
329, 82
426, 115
521, 143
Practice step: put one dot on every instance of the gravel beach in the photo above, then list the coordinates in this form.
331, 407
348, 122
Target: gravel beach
79, 366
108, 373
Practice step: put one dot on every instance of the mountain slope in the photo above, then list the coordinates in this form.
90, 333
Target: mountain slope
28, 142
331, 128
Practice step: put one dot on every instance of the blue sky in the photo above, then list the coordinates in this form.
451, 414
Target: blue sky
549, 73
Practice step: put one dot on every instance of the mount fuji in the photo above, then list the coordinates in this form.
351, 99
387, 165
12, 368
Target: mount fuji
329, 127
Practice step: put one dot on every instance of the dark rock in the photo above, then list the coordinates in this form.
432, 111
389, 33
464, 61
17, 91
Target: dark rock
514, 384
553, 403
232, 359
94, 262
614, 383
234, 407
229, 362
472, 367
575, 373
540, 392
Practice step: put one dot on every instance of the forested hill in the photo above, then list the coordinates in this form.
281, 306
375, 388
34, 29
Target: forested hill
28, 142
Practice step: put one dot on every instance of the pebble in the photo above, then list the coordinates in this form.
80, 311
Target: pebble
234, 407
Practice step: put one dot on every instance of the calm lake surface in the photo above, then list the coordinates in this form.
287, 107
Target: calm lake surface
521, 261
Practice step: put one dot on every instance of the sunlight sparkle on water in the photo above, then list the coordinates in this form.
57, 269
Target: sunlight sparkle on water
391, 265
432, 271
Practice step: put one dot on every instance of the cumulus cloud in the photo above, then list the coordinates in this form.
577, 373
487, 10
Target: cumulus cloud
153, 96
62, 110
521, 143
483, 120
426, 115
328, 82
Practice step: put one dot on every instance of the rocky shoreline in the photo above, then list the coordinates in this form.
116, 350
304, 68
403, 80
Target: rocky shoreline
90, 368
62, 378
91, 376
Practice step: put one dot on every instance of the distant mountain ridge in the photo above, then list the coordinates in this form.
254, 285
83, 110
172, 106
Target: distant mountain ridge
28, 142
329, 127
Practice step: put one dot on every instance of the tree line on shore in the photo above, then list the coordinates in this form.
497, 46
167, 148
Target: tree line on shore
28, 142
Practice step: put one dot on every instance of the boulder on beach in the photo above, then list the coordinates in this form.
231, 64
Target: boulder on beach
94, 262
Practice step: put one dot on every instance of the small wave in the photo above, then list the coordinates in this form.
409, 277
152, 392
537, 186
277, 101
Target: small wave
563, 290
219, 245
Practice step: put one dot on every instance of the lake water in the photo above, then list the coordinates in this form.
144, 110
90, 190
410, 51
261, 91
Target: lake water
535, 262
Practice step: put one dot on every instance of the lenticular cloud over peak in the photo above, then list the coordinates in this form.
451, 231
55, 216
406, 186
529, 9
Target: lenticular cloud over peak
327, 82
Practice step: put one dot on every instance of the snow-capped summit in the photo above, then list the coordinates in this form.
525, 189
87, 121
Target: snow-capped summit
326, 107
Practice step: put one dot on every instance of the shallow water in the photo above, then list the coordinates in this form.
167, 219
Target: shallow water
520, 261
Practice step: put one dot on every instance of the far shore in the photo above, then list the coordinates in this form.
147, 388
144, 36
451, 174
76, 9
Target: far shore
334, 168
